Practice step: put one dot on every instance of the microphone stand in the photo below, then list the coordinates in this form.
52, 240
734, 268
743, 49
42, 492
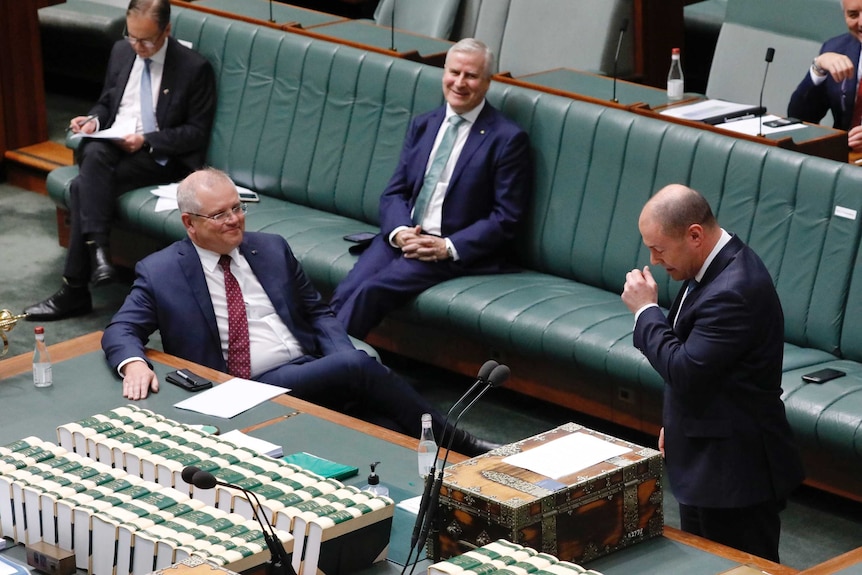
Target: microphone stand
271, 19
497, 377
623, 28
770, 54
279, 562
482, 377
392, 28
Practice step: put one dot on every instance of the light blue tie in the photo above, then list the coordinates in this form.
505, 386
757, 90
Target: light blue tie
148, 117
444, 150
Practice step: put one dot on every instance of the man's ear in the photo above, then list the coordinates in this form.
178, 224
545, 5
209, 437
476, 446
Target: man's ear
695, 233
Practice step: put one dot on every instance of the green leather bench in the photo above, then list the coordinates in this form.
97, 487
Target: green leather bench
316, 129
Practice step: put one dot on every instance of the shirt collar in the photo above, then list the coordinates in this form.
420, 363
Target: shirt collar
470, 116
722, 241
209, 259
159, 57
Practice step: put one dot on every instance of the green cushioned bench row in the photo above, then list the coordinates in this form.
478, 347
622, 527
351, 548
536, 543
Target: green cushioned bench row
315, 128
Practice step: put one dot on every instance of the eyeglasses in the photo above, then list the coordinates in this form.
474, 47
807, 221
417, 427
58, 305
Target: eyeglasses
238, 209
147, 43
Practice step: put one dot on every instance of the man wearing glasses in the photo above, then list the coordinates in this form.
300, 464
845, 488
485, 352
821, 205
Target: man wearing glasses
164, 95
240, 303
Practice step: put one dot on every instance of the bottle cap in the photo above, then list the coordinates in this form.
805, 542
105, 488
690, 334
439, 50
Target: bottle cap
373, 479
675, 52
426, 419
38, 330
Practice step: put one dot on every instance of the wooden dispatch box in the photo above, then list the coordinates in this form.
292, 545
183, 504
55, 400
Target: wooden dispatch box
577, 517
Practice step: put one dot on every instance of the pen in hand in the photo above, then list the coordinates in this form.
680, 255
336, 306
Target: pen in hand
86, 121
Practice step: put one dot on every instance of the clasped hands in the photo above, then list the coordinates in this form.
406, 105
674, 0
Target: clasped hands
418, 246
842, 69
640, 289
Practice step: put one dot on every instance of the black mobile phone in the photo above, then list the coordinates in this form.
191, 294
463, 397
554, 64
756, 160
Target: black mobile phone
822, 375
781, 122
360, 237
188, 380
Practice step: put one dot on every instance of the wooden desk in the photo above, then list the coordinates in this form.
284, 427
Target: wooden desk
259, 11
369, 36
849, 563
575, 83
812, 139
84, 385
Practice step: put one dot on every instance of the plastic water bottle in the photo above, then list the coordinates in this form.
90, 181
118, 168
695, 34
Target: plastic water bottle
42, 375
675, 81
427, 449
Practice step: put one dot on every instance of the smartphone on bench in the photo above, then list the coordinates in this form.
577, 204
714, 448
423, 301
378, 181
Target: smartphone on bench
822, 375
188, 380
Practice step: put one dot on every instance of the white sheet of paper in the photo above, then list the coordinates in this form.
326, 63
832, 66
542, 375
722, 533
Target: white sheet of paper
167, 194
231, 397
116, 132
566, 455
8, 567
751, 126
704, 109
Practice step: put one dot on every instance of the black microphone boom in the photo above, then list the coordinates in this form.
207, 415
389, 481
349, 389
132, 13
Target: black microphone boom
623, 27
279, 562
482, 378
770, 54
497, 377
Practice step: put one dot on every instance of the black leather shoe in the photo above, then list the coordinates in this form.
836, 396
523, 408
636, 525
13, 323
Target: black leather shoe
471, 445
67, 302
103, 272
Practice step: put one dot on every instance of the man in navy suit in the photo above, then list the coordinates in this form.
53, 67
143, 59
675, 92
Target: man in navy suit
167, 138
470, 199
727, 444
292, 338
832, 82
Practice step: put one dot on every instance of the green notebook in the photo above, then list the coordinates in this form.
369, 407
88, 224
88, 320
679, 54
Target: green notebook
323, 467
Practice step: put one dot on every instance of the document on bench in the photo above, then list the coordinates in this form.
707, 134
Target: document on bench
566, 455
118, 131
711, 111
231, 397
755, 126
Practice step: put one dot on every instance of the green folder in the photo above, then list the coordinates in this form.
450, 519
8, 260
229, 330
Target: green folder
323, 467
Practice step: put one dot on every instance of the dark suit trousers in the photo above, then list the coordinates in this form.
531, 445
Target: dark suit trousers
355, 383
381, 281
105, 172
754, 529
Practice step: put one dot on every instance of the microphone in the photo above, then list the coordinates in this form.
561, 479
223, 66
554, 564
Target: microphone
481, 379
770, 54
279, 562
271, 19
623, 27
496, 378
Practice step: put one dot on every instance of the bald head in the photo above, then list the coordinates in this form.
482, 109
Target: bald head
680, 230
676, 207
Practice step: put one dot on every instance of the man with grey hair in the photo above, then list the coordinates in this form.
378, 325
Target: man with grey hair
164, 93
239, 302
453, 203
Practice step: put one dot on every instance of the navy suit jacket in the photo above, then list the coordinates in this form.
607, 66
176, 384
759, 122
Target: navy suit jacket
727, 439
186, 105
810, 103
487, 191
170, 295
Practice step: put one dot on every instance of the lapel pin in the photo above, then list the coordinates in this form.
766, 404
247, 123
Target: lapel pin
482, 132
165, 91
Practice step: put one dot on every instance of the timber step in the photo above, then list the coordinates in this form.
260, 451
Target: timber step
28, 167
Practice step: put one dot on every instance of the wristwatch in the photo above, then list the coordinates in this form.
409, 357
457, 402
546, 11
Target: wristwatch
450, 253
817, 69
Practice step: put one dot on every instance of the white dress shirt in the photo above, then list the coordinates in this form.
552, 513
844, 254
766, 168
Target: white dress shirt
130, 104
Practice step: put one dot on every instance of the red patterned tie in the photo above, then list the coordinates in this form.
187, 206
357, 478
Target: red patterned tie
238, 354
857, 107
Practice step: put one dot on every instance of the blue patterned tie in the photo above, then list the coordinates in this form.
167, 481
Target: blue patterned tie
444, 150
